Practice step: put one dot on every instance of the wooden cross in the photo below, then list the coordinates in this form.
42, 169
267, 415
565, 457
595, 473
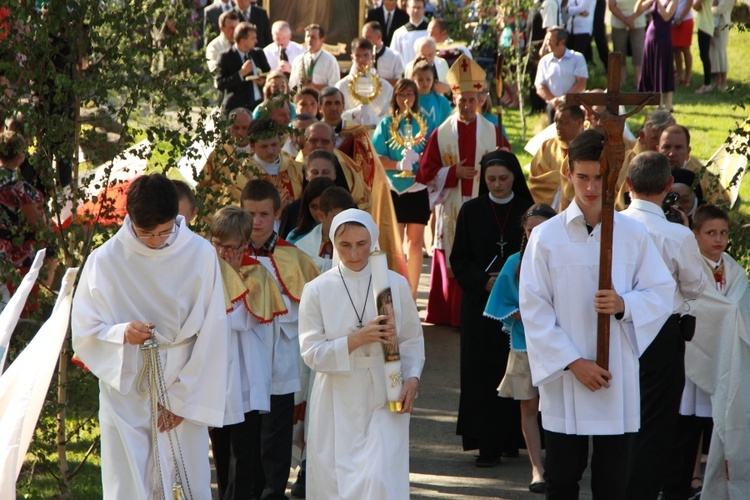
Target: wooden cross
611, 163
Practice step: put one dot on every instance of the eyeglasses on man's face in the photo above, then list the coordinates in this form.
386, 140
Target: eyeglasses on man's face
151, 236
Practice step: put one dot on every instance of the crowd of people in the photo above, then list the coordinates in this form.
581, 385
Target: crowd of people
266, 329
657, 35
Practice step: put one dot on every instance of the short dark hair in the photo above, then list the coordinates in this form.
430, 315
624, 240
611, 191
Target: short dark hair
259, 190
587, 146
230, 15
576, 112
334, 198
321, 31
262, 129
374, 26
361, 43
328, 92
321, 154
680, 128
560, 33
314, 189
649, 173
311, 91
152, 200
707, 212
184, 191
243, 30
440, 23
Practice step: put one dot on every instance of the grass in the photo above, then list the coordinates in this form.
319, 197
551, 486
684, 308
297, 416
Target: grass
710, 117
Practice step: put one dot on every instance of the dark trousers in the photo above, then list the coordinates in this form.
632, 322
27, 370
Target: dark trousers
276, 445
581, 43
662, 379
600, 33
246, 478
678, 469
567, 457
222, 450
704, 46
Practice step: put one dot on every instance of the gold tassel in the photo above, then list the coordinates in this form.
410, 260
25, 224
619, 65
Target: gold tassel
177, 493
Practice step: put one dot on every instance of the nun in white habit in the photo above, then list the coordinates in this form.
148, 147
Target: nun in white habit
357, 447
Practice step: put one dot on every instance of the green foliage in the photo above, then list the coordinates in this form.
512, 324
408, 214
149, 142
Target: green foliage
90, 74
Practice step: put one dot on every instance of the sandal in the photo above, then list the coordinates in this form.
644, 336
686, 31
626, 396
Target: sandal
685, 82
704, 89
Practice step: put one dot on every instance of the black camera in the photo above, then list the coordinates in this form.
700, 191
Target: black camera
672, 212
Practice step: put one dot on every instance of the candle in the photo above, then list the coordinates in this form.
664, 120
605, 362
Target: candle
381, 287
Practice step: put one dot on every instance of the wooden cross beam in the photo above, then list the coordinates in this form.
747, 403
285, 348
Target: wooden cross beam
611, 163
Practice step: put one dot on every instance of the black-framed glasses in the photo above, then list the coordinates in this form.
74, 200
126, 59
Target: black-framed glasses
228, 248
147, 236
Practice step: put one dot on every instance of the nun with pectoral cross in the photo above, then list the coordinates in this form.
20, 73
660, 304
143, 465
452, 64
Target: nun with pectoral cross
488, 231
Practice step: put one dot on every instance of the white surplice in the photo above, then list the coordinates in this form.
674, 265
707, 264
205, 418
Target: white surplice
559, 277
179, 289
253, 342
717, 360
357, 448
310, 244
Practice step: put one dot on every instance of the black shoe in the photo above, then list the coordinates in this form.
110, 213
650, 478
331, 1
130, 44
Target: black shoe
486, 461
538, 487
298, 488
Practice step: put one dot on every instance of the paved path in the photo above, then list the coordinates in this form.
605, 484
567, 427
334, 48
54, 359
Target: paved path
440, 469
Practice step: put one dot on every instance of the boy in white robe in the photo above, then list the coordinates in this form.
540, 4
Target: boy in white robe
560, 300
291, 269
253, 302
157, 280
717, 360
316, 244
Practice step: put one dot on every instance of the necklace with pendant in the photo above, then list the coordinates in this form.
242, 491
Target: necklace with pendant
360, 317
502, 241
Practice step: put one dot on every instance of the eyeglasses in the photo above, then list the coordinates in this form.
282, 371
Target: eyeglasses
228, 248
147, 236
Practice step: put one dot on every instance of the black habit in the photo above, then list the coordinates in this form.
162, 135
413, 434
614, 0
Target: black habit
485, 421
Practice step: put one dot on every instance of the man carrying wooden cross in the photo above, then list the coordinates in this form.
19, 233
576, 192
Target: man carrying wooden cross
560, 300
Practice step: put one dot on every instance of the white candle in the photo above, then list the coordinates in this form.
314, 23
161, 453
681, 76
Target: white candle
381, 287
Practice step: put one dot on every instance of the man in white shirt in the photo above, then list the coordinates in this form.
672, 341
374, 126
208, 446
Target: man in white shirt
560, 302
551, 15
561, 71
211, 18
282, 53
438, 30
662, 365
406, 35
388, 62
581, 26
372, 112
316, 67
228, 21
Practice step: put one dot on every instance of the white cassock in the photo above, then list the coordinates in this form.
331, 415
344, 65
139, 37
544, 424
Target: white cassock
403, 41
717, 360
285, 360
310, 244
559, 277
179, 289
357, 448
252, 342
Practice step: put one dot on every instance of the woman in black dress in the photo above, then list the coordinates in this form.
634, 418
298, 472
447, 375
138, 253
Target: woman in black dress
487, 232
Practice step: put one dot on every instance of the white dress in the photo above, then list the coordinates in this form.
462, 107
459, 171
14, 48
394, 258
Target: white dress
179, 289
357, 448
